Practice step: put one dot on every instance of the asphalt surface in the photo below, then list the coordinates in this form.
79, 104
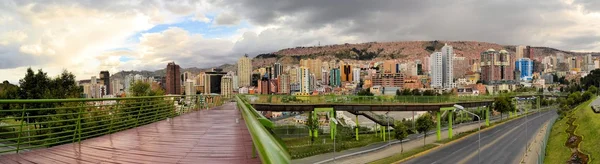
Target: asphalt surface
502, 144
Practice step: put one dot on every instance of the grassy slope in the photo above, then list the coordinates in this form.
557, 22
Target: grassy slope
556, 151
589, 127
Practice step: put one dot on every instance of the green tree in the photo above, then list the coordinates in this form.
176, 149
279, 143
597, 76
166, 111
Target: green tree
592, 79
313, 125
416, 92
503, 104
429, 93
140, 88
365, 92
7, 91
424, 124
593, 89
401, 132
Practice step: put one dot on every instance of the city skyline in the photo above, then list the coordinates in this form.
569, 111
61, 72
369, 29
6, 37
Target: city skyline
140, 35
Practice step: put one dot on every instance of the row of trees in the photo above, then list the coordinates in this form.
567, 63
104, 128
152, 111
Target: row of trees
403, 128
417, 92
54, 121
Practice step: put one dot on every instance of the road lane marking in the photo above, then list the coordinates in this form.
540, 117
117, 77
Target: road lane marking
473, 154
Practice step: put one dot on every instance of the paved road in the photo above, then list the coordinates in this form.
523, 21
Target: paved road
503, 144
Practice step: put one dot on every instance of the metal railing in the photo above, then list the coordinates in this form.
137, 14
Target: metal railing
352, 99
269, 148
39, 123
544, 143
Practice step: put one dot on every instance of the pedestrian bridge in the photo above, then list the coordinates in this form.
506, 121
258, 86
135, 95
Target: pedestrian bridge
162, 129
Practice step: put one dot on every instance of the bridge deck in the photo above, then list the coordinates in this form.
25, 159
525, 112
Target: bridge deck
208, 136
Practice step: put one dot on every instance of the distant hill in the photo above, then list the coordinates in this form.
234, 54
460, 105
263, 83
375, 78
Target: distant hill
407, 51
404, 51
162, 72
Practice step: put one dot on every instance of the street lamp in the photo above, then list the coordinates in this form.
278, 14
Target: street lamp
388, 126
458, 107
334, 135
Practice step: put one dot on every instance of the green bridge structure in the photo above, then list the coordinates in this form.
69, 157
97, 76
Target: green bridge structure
366, 105
177, 129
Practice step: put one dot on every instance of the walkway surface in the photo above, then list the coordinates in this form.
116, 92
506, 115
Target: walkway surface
218, 135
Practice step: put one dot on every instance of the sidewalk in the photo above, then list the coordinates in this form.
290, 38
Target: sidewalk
531, 155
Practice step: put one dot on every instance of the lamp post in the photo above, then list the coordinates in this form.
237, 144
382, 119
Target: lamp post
335, 123
388, 126
458, 107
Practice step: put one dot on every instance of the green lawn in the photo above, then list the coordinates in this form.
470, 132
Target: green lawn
588, 124
400, 156
556, 151
301, 147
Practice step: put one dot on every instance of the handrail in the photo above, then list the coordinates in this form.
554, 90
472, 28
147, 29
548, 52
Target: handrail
37, 123
385, 99
269, 149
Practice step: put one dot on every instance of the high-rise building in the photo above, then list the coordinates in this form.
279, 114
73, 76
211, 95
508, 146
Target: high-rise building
441, 66
313, 65
588, 63
244, 71
226, 85
105, 78
268, 73
335, 78
284, 84
346, 73
312, 81
294, 75
212, 81
496, 66
356, 75
529, 53
325, 79
185, 76
277, 70
436, 69
190, 89
304, 80
525, 67
116, 86
173, 85
447, 65
520, 50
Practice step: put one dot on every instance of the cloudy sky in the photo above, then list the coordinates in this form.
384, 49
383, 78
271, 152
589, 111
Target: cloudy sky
87, 36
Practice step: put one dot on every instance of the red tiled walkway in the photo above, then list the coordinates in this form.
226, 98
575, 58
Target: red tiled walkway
208, 136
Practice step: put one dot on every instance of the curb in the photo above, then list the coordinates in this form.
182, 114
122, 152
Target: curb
456, 140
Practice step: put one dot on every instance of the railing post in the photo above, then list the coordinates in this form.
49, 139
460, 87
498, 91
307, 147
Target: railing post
21, 129
77, 125
137, 119
112, 116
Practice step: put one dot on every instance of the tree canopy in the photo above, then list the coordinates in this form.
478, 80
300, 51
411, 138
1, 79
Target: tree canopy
424, 124
140, 88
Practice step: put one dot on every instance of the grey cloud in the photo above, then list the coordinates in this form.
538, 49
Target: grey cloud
12, 58
227, 19
500, 21
589, 5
